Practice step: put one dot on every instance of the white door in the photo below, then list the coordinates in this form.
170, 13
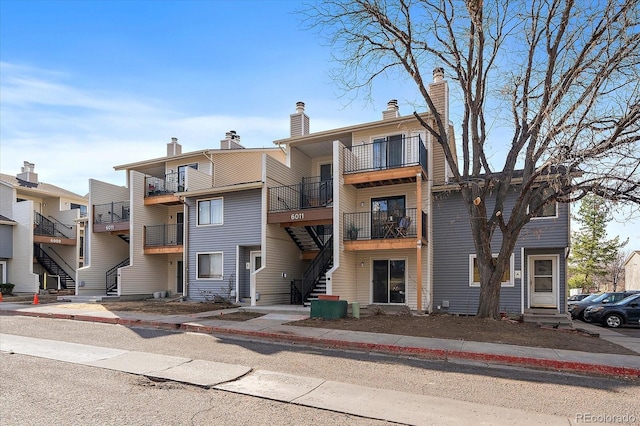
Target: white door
256, 263
543, 281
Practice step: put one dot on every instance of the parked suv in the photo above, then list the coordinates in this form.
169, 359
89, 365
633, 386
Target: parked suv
626, 311
577, 309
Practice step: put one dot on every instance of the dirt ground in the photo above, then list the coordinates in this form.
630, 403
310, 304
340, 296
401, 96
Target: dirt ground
436, 326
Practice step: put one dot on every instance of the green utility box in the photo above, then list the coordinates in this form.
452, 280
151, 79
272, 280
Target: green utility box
328, 309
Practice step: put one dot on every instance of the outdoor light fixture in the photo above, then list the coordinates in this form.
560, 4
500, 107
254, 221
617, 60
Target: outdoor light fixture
362, 264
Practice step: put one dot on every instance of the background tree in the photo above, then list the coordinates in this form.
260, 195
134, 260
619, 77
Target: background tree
567, 71
592, 254
615, 270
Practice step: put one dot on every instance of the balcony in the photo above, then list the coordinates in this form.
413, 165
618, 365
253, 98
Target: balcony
111, 217
307, 203
52, 231
387, 161
384, 229
162, 239
162, 191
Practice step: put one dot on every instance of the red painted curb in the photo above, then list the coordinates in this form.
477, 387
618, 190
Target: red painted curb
438, 354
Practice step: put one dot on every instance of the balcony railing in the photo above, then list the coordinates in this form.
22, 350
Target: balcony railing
49, 228
312, 192
385, 154
164, 235
114, 212
169, 185
383, 224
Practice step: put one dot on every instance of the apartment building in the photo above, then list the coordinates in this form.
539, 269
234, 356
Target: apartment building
355, 202
184, 223
42, 242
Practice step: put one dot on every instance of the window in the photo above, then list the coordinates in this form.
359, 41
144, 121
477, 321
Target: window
388, 152
548, 210
210, 212
209, 266
474, 273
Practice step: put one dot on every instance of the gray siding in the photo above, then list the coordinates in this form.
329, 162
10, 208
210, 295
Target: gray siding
453, 244
241, 227
6, 241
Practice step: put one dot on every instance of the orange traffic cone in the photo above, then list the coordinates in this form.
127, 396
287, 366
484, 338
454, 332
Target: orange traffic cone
0, 296
35, 299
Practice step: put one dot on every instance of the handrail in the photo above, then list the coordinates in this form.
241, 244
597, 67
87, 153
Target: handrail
63, 224
47, 262
318, 266
61, 258
310, 193
112, 275
383, 155
105, 213
164, 235
380, 224
47, 227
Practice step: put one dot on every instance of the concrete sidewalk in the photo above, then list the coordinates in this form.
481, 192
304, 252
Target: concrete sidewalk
272, 326
373, 403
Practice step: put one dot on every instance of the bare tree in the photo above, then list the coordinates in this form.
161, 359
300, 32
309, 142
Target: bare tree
569, 73
615, 269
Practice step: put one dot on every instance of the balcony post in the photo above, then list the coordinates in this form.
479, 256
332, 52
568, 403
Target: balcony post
419, 239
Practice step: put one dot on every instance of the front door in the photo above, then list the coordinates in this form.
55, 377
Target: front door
543, 281
179, 277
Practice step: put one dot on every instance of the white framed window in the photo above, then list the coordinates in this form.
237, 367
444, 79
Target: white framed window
474, 272
210, 212
209, 266
549, 210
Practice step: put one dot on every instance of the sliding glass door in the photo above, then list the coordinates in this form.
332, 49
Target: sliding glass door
389, 281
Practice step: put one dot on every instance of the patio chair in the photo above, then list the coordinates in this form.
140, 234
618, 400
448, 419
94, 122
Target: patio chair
403, 226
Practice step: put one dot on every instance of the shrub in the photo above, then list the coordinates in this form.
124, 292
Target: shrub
7, 288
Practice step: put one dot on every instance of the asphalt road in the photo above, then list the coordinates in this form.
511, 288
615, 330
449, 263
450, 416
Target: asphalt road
38, 391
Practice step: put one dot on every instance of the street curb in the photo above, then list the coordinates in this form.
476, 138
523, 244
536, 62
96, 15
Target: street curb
434, 354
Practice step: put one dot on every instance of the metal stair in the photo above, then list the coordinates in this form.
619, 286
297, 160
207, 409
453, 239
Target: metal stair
52, 268
112, 278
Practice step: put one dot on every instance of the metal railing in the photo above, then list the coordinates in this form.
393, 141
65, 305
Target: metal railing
113, 212
159, 186
301, 289
112, 275
383, 224
311, 192
47, 227
164, 235
385, 154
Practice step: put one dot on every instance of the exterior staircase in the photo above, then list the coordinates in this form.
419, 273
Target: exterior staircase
53, 268
547, 317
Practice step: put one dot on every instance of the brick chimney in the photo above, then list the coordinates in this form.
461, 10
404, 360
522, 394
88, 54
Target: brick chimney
174, 148
28, 174
299, 121
392, 110
439, 92
231, 141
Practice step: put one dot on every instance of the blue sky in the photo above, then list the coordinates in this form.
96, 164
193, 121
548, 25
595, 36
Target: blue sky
86, 85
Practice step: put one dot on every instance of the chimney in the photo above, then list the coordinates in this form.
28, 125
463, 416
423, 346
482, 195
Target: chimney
174, 148
439, 92
299, 121
392, 110
28, 175
231, 141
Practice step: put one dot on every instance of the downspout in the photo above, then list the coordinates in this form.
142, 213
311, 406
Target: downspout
185, 250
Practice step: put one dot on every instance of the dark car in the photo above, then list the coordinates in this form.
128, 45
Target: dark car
626, 311
577, 297
577, 309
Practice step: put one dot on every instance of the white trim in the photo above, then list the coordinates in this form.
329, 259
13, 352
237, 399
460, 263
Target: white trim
504, 283
3, 277
523, 279
198, 224
198, 278
556, 276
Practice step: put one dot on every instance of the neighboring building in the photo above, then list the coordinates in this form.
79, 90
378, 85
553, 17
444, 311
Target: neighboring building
40, 235
536, 277
632, 271
151, 235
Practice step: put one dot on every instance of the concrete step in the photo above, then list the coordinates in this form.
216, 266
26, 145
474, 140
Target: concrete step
547, 317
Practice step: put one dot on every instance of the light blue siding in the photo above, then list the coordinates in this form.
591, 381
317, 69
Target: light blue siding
453, 244
6, 241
